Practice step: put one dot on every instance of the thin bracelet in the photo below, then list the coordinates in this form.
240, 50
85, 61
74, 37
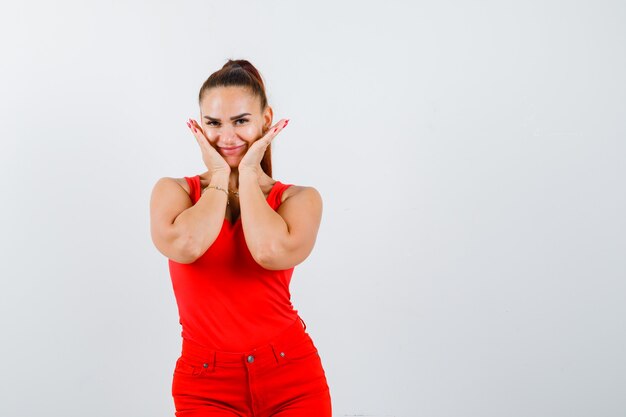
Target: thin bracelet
217, 188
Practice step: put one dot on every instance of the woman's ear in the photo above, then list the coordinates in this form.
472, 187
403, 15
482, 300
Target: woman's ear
268, 115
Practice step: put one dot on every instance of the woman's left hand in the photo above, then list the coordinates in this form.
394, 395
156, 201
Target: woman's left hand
251, 161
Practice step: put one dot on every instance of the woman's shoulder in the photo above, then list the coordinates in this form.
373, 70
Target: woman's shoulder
294, 190
182, 182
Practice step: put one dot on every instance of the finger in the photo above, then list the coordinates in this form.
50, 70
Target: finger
280, 125
195, 128
276, 129
266, 139
203, 141
194, 131
196, 125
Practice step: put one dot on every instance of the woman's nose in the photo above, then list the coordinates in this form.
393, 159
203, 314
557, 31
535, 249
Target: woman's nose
227, 132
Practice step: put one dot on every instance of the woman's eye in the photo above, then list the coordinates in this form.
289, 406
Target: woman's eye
238, 120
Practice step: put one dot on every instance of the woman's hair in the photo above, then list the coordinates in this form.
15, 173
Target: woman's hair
241, 73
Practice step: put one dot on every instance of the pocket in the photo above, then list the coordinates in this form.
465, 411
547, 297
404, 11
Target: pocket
185, 367
301, 351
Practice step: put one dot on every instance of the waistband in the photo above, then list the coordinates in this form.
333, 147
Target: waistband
271, 352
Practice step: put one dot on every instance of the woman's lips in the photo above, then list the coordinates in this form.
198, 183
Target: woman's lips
232, 151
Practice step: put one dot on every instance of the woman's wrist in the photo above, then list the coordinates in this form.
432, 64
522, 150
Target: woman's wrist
221, 171
248, 174
218, 180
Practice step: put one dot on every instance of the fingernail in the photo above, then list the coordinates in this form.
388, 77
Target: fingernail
287, 121
275, 129
188, 125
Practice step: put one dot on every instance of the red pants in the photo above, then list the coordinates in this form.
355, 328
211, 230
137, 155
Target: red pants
283, 378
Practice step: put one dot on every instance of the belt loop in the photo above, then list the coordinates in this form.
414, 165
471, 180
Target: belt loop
277, 353
211, 361
302, 322
209, 365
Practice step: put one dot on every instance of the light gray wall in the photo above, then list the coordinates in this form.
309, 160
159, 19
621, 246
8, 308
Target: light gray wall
471, 160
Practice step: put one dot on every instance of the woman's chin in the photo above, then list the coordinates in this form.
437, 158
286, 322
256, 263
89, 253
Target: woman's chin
232, 161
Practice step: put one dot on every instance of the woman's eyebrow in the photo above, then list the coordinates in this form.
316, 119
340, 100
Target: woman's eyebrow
232, 118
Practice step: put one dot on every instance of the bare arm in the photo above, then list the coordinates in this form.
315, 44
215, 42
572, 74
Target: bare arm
279, 239
181, 231
205, 219
261, 224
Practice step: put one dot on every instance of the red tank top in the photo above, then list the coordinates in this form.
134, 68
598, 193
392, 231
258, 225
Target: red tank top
226, 301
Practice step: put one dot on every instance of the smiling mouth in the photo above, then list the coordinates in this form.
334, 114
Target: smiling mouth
232, 151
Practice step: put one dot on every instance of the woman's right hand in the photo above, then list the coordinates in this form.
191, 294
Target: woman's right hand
212, 159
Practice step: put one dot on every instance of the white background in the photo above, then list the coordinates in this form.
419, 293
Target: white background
470, 156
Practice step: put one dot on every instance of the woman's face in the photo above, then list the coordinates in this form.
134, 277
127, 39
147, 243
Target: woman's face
232, 120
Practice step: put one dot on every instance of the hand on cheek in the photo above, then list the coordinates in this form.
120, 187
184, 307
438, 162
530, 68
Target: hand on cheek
251, 161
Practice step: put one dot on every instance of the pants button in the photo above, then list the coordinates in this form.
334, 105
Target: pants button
250, 358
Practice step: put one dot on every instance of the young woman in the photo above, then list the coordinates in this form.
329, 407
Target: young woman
233, 236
